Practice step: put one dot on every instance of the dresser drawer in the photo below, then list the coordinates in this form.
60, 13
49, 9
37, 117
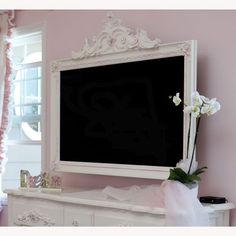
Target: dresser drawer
114, 218
78, 216
32, 212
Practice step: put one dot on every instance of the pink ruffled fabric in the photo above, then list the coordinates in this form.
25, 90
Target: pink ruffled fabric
7, 88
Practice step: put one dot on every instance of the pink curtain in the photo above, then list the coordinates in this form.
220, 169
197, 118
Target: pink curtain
6, 24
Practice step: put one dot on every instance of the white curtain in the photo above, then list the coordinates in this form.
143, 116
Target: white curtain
6, 23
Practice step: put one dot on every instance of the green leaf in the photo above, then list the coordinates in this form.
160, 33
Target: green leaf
192, 178
200, 170
173, 175
178, 174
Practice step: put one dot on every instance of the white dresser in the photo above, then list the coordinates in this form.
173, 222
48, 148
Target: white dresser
91, 208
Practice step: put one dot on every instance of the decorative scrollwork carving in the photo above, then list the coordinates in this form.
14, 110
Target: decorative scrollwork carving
115, 38
54, 67
54, 165
34, 218
185, 48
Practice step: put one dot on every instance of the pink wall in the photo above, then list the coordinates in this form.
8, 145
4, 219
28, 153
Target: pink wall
216, 36
3, 217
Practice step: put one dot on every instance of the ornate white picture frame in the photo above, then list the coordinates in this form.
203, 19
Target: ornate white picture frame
118, 44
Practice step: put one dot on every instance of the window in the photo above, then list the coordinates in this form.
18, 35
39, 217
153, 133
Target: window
27, 56
24, 135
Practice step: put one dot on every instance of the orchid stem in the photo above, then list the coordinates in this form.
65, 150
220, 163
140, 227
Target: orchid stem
188, 135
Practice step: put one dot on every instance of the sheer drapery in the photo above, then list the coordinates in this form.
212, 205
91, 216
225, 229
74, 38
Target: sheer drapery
6, 24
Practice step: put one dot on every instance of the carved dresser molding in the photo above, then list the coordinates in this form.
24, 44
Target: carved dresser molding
33, 218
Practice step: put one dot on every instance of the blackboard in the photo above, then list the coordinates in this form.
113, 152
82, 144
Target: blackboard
122, 113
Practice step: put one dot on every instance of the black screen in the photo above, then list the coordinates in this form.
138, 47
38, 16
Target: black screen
122, 113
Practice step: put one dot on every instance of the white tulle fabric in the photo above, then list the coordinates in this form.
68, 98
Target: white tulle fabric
143, 195
181, 203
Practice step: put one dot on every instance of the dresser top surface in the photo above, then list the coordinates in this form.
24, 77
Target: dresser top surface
96, 197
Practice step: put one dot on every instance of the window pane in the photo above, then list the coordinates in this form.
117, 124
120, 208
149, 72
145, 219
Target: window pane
31, 110
27, 86
26, 49
33, 53
25, 123
31, 91
27, 57
27, 110
28, 74
23, 131
32, 73
35, 126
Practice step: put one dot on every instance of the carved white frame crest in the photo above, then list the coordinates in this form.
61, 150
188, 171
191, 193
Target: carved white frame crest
117, 44
116, 38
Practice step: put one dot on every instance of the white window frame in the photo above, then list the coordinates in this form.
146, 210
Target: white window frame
23, 31
19, 105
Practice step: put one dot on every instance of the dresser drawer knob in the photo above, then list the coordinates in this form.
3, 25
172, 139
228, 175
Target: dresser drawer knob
75, 223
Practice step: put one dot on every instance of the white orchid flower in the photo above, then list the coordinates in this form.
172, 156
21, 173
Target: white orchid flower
196, 98
214, 107
176, 99
205, 108
185, 164
205, 99
196, 111
200, 105
188, 109
210, 107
